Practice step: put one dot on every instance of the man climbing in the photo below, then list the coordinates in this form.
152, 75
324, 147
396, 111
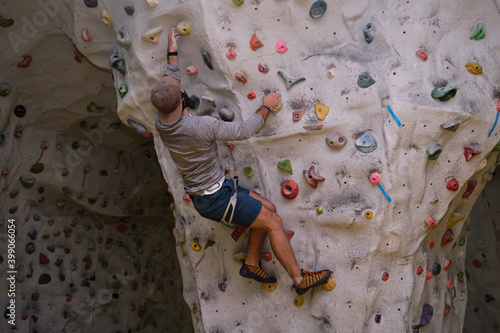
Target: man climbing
192, 144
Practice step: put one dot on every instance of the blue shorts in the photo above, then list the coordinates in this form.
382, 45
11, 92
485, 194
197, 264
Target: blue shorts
214, 205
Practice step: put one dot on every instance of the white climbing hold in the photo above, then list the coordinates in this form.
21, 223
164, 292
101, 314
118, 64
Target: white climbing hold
152, 3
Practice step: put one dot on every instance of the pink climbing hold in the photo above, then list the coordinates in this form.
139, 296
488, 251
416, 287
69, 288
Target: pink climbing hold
375, 178
447, 237
289, 234
314, 174
471, 150
297, 115
498, 106
263, 68
280, 47
187, 198
191, 70
431, 223
312, 177
452, 184
449, 284
290, 189
230, 54
429, 274
422, 55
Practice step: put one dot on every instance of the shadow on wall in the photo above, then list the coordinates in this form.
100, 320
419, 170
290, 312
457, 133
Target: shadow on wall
483, 262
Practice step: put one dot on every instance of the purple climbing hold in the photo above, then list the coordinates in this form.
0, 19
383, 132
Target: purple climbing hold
378, 316
427, 312
90, 3
32, 234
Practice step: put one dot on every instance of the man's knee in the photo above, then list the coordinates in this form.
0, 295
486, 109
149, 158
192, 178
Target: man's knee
275, 222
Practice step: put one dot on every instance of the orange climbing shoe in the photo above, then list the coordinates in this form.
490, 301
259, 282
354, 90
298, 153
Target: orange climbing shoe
311, 279
257, 273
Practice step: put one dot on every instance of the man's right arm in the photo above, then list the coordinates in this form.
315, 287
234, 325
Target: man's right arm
268, 103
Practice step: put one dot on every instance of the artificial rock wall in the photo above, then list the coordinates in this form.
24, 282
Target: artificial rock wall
374, 66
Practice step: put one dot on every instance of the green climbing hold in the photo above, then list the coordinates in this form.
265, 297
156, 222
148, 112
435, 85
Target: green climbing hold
248, 171
288, 81
44, 279
51, 248
238, 2
50, 222
434, 151
285, 165
123, 89
461, 242
27, 182
445, 93
460, 276
5, 89
37, 168
13, 194
479, 32
92, 200
35, 296
436, 268
12, 210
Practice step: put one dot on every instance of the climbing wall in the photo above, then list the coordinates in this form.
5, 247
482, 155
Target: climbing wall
385, 139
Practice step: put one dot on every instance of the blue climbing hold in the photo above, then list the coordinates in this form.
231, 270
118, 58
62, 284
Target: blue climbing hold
366, 143
364, 81
317, 9
139, 128
369, 32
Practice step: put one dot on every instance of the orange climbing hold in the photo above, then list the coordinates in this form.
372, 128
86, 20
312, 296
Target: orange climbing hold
251, 95
255, 43
431, 223
422, 55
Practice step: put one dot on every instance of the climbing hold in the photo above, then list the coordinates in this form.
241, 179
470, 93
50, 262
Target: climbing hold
488, 298
248, 171
447, 264
267, 256
311, 177
44, 279
86, 37
364, 81
280, 47
290, 189
479, 32
369, 214
420, 270
251, 95
18, 131
474, 68
191, 70
330, 284
385, 276
369, 32
449, 284
434, 151
288, 81
452, 184
152, 3
208, 100
90, 3
321, 111
482, 164
455, 217
461, 242
486, 177
4, 23
460, 277
314, 174
5, 89
187, 198
230, 145
226, 114
12, 210
117, 62
27, 182
297, 115
255, 44
208, 59
375, 178
447, 237
471, 150
20, 111
366, 143
138, 127
129, 9
445, 93
195, 246
431, 223
123, 89
241, 77
422, 55
319, 210
124, 39
378, 317
277, 107
42, 259
471, 185
431, 244
318, 8
152, 35
299, 300
452, 124
426, 316
238, 2
263, 68
37, 168
239, 257
222, 286
447, 309
26, 62
477, 263
436, 268
230, 54
285, 165
183, 28
13, 194
107, 19
269, 286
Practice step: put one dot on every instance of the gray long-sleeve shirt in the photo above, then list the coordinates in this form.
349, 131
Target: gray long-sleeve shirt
191, 142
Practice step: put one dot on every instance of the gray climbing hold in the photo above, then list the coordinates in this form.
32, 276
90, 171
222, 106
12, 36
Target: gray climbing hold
138, 127
364, 81
288, 81
124, 39
226, 114
318, 9
64, 171
369, 32
451, 125
434, 151
366, 143
18, 132
5, 89
90, 3
208, 59
27, 182
20, 111
129, 8
445, 93
118, 62
2, 138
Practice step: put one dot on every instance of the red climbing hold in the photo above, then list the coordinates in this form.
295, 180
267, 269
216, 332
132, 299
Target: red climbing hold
429, 274
447, 309
449, 284
290, 189
447, 263
88, 262
263, 68
267, 256
289, 234
42, 258
26, 62
452, 184
422, 55
187, 198
447, 237
385, 276
191, 70
471, 150
314, 174
431, 244
230, 145
477, 263
313, 182
121, 228
420, 270
251, 95
471, 185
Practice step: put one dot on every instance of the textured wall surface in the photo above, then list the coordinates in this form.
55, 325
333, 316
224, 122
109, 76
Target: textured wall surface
345, 224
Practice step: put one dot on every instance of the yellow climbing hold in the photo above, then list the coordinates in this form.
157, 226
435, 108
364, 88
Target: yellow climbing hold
183, 28
152, 35
152, 3
277, 107
299, 300
455, 217
270, 286
321, 111
195, 246
195, 309
319, 210
474, 68
369, 214
107, 19
330, 284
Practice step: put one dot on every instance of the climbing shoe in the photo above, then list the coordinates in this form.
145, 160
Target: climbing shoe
311, 279
257, 273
